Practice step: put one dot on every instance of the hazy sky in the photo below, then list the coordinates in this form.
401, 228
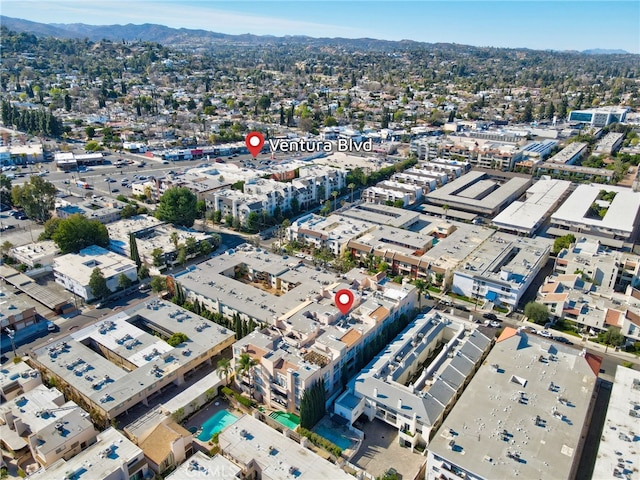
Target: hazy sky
551, 24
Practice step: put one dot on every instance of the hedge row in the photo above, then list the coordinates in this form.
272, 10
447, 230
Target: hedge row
247, 402
321, 442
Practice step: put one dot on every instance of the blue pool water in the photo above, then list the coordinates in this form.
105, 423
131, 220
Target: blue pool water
340, 440
215, 424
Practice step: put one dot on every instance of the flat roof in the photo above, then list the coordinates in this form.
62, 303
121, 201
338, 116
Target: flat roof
202, 467
149, 357
542, 197
529, 399
278, 457
80, 266
214, 279
618, 444
100, 460
485, 197
568, 153
40, 293
621, 215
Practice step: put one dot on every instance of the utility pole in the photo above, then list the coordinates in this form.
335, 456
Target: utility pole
11, 334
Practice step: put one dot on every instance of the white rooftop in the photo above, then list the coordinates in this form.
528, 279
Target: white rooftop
618, 452
621, 214
277, 457
79, 266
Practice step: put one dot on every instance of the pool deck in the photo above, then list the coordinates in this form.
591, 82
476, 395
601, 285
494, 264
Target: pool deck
344, 431
204, 414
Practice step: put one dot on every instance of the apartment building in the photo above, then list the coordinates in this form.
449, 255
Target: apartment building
112, 457
570, 154
124, 359
103, 209
37, 253
315, 341
16, 379
389, 191
332, 232
500, 270
609, 144
525, 413
417, 379
50, 427
73, 271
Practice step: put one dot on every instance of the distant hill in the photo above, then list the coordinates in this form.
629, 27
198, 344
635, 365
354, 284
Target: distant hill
184, 36
604, 51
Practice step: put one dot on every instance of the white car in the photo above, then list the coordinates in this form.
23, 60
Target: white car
545, 333
495, 324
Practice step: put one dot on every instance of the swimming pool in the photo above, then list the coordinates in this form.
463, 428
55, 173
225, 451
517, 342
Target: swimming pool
289, 420
333, 436
215, 424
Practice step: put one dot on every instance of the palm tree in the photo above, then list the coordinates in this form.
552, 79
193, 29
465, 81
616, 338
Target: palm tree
225, 368
445, 207
335, 194
174, 238
351, 186
245, 366
421, 286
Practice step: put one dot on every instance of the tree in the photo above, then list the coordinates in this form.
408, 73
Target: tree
252, 221
351, 186
174, 238
537, 312
6, 247
177, 338
128, 211
422, 287
5, 190
158, 257
312, 405
224, 368
143, 272
182, 255
124, 282
527, 114
90, 131
178, 206
612, 337
77, 232
245, 366
216, 216
191, 245
98, 284
335, 194
37, 197
264, 102
133, 248
563, 242
158, 283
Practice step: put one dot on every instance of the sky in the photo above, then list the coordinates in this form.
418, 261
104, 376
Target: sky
549, 24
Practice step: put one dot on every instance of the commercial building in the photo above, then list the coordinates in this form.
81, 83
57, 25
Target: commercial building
525, 414
112, 457
103, 209
576, 172
16, 311
599, 117
617, 215
418, 377
73, 271
315, 341
525, 217
52, 428
617, 454
122, 360
500, 270
538, 151
479, 192
263, 452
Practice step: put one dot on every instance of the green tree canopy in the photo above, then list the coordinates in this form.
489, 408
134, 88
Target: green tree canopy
124, 281
178, 206
78, 232
158, 283
536, 312
98, 284
563, 242
37, 197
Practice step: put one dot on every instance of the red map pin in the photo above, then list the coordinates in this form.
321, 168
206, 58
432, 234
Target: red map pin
344, 300
255, 142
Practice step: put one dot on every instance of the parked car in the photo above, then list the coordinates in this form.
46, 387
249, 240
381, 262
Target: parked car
491, 316
51, 327
463, 308
560, 339
545, 333
495, 324
21, 216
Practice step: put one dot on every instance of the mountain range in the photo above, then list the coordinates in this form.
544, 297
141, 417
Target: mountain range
182, 36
